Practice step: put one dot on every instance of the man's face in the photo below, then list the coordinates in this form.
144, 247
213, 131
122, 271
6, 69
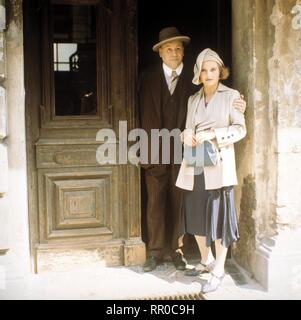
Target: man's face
172, 54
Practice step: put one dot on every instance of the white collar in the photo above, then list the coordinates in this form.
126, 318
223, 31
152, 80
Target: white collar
168, 71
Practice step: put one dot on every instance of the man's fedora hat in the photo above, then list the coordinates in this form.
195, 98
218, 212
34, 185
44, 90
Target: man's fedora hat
170, 34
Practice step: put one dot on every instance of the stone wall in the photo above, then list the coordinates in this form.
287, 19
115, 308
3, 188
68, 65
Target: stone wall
266, 68
3, 129
14, 227
256, 160
286, 92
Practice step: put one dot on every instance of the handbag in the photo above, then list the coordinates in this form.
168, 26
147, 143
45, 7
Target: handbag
210, 154
193, 155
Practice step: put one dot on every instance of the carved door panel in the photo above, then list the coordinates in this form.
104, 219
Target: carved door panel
80, 73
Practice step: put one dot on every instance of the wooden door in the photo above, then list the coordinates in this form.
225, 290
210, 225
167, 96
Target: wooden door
80, 75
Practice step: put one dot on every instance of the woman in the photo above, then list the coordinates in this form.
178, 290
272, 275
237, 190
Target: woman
212, 117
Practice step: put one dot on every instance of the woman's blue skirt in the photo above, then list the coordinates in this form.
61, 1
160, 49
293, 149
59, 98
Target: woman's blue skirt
210, 213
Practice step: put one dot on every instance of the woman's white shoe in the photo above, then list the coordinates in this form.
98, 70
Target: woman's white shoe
213, 283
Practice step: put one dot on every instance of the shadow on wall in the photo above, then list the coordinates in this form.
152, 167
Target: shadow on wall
246, 245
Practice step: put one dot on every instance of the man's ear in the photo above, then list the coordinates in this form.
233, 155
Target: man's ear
159, 51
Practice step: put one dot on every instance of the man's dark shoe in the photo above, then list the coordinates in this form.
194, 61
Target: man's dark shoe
179, 261
151, 263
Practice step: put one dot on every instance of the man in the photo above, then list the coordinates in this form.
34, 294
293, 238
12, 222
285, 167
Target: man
163, 94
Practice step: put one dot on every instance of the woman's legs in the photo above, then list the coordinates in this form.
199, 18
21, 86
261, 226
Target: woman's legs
221, 254
207, 256
207, 261
217, 274
221, 211
206, 253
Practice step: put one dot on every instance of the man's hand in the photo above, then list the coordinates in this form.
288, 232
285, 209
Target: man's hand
240, 104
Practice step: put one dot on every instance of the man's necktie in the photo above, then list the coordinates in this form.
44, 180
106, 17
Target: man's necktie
174, 80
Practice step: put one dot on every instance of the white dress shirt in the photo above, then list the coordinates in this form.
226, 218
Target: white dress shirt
168, 71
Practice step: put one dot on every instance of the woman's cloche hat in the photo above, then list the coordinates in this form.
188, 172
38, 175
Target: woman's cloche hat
170, 34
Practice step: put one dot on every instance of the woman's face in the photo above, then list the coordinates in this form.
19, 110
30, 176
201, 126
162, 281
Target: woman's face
210, 73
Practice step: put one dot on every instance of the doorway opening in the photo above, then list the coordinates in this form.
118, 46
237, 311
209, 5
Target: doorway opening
208, 24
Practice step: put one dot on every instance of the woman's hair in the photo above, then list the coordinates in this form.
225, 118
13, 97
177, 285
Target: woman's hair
224, 73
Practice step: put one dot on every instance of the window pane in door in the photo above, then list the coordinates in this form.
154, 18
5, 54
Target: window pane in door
74, 59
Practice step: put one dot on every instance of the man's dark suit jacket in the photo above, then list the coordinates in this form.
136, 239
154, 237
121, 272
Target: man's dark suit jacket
153, 96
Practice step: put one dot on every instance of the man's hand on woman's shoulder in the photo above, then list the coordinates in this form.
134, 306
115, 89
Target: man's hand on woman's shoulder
240, 104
